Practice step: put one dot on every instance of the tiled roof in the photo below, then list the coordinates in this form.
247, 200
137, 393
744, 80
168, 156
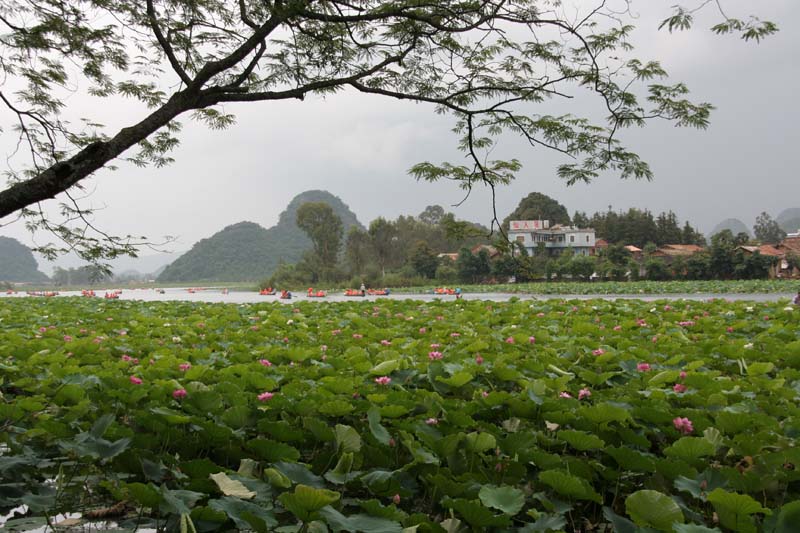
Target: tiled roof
679, 249
764, 249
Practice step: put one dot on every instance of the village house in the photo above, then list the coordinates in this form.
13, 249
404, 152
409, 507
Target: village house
536, 234
768, 250
669, 252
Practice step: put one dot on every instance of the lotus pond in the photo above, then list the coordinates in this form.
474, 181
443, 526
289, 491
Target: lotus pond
390, 416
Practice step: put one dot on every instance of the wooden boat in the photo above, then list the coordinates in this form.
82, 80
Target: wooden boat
353, 292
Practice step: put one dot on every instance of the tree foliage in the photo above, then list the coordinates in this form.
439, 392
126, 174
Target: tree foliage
538, 206
767, 230
324, 228
492, 65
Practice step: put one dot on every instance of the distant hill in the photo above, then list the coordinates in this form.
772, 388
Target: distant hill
789, 219
248, 252
17, 262
733, 224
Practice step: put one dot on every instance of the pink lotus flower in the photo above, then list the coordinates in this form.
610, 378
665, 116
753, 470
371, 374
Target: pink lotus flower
185, 366
422, 330
432, 421
478, 360
584, 393
383, 380
336, 332
531, 340
179, 393
439, 317
454, 334
484, 394
679, 388
67, 338
435, 345
265, 396
682, 374
386, 343
42, 329
667, 308
510, 340
396, 499
324, 348
617, 328
357, 335
434, 356
254, 328
729, 329
686, 323
643, 367
563, 394
654, 339
766, 317
126, 357
135, 380
286, 340
392, 442
598, 351
540, 315
265, 362
684, 425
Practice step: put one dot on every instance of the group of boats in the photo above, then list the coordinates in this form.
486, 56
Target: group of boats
312, 293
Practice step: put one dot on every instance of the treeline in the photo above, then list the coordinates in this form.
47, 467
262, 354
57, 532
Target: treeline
388, 253
639, 228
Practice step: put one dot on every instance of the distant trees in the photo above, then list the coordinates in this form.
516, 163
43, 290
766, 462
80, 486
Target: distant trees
538, 206
325, 229
768, 230
423, 260
639, 227
85, 275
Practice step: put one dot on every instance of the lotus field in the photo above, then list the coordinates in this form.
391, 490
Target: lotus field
395, 416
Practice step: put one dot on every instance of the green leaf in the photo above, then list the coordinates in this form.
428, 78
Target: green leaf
480, 442
690, 448
581, 440
788, 518
735, 510
651, 508
694, 528
568, 485
378, 431
385, 368
347, 439
144, 495
545, 523
277, 478
230, 487
759, 368
358, 522
507, 499
604, 413
306, 500
475, 513
273, 451
171, 416
246, 515
459, 379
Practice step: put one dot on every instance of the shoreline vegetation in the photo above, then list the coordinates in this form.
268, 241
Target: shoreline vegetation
379, 416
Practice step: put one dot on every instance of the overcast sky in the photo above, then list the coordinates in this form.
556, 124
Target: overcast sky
360, 148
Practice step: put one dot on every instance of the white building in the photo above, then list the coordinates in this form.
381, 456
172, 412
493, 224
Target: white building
532, 234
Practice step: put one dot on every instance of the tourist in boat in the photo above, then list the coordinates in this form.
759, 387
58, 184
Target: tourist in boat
796, 300
458, 293
363, 289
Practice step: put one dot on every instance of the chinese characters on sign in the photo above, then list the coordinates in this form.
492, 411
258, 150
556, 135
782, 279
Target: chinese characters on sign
529, 224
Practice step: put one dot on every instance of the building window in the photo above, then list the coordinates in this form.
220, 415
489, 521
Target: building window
572, 238
521, 238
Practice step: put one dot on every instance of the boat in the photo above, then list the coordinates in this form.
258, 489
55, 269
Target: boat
317, 294
444, 290
88, 293
353, 292
378, 292
112, 295
269, 291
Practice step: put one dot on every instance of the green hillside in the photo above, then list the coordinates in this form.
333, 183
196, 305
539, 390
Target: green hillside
789, 219
734, 224
248, 252
17, 262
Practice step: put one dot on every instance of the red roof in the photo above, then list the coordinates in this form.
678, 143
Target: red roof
791, 245
601, 243
633, 249
764, 249
679, 249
